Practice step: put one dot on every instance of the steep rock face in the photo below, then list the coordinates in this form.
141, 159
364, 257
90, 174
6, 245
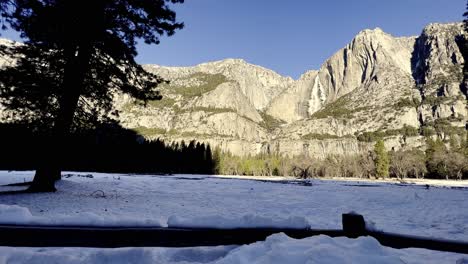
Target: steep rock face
367, 86
361, 62
357, 63
258, 84
304, 96
436, 52
228, 95
389, 97
438, 71
319, 148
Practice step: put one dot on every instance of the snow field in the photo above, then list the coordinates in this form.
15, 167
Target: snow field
204, 201
276, 249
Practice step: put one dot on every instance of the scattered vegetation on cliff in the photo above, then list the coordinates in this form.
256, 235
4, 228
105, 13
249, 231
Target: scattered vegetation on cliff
153, 133
338, 109
443, 128
434, 100
165, 102
406, 102
408, 131
317, 136
210, 110
205, 83
269, 122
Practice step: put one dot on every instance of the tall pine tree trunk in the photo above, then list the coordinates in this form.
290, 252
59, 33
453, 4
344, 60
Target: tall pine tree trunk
77, 62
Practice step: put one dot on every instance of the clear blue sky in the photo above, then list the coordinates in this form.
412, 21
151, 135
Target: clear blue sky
289, 37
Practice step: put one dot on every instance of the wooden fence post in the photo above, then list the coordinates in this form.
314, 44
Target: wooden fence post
353, 225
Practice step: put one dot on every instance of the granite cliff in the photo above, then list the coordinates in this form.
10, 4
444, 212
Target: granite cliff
401, 88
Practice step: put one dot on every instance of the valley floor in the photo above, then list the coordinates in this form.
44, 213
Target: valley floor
211, 201
409, 181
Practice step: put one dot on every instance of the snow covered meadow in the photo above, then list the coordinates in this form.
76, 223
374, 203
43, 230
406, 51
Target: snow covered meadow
208, 201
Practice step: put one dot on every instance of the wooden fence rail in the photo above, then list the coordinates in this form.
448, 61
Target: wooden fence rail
112, 237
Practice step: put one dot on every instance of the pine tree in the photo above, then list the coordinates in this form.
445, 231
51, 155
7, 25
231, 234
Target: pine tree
76, 55
465, 21
382, 160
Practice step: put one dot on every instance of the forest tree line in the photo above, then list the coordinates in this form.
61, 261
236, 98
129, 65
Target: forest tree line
107, 149
438, 161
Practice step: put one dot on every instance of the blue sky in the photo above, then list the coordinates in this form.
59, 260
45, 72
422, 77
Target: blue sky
289, 37
292, 36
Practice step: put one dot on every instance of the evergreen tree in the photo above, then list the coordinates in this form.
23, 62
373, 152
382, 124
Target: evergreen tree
209, 161
382, 160
465, 21
76, 55
436, 151
437, 158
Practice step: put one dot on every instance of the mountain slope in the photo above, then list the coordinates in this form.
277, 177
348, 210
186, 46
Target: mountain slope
400, 88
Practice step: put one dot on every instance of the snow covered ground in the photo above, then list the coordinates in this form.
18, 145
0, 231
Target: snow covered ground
194, 200
277, 248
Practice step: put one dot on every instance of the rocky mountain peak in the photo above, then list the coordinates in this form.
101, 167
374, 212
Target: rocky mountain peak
235, 61
437, 54
370, 32
443, 28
